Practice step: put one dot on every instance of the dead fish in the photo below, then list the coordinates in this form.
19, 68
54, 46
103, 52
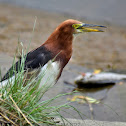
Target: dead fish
99, 80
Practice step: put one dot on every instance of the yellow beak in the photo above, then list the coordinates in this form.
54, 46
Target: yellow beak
87, 28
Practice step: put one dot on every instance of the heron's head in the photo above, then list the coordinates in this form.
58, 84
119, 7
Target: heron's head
75, 27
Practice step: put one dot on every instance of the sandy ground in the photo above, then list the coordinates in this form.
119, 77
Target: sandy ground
94, 50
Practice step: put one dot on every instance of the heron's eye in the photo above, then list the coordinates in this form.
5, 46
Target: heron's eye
76, 26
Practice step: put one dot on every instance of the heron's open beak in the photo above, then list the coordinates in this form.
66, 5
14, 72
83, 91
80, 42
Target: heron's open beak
79, 28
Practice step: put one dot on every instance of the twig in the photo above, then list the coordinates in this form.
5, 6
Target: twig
91, 108
20, 111
8, 119
12, 114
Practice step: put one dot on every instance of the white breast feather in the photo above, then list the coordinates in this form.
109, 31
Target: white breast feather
49, 73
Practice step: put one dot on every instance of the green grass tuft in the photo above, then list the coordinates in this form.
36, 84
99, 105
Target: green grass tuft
20, 103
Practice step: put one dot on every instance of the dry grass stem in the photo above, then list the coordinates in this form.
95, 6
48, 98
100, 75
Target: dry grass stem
20, 111
5, 117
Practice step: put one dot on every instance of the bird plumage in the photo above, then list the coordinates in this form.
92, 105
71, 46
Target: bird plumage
55, 52
34, 59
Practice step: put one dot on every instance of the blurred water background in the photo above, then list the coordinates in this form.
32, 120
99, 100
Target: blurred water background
110, 11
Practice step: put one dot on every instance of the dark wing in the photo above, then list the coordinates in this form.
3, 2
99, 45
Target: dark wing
34, 59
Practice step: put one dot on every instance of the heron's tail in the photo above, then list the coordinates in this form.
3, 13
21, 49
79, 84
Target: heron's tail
5, 82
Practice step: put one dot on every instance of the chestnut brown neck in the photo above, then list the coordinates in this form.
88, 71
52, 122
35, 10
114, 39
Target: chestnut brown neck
60, 43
